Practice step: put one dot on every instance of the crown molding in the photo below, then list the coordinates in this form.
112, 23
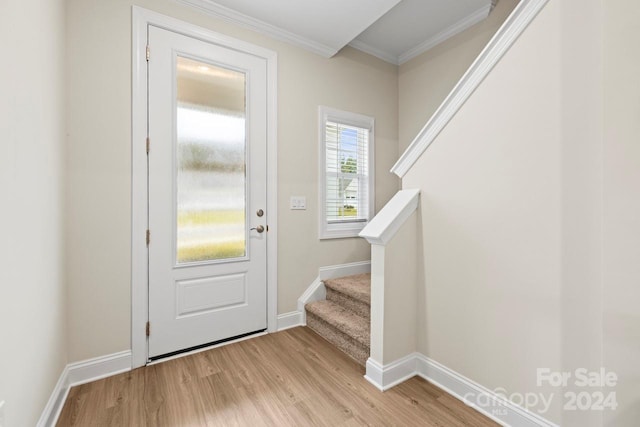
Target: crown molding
430, 43
374, 51
242, 20
229, 15
445, 34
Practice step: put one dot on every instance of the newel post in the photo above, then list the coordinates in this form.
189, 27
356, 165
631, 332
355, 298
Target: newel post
393, 235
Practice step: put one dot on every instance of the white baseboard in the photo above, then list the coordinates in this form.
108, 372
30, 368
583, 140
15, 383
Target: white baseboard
477, 396
471, 393
80, 373
56, 401
387, 376
290, 320
100, 367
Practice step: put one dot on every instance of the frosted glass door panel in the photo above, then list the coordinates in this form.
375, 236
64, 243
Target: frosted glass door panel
210, 162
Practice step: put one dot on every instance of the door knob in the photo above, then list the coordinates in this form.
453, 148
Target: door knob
259, 228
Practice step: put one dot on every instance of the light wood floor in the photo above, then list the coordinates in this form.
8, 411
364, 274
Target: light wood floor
291, 378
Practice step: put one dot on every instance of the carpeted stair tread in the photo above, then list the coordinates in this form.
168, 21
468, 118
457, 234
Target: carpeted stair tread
357, 287
342, 319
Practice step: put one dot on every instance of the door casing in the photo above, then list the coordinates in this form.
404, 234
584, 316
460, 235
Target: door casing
141, 19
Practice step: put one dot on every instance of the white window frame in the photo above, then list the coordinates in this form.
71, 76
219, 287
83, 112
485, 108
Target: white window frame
343, 229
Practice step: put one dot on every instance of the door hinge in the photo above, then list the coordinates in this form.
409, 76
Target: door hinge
148, 237
148, 144
148, 53
148, 329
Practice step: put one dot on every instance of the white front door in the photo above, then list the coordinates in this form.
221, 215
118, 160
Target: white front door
207, 192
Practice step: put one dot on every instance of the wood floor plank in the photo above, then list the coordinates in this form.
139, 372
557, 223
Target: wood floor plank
291, 378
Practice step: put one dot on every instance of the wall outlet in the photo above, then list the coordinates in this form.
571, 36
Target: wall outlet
2, 414
298, 203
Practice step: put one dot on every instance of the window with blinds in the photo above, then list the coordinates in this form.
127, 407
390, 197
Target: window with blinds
346, 172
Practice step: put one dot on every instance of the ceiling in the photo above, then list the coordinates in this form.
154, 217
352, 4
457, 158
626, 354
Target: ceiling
393, 30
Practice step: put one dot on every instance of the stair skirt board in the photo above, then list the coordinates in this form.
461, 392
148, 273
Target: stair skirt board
344, 342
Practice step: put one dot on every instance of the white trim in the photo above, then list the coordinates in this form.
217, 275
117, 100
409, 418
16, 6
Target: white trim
516, 23
316, 290
374, 51
240, 19
141, 19
465, 23
54, 406
388, 376
97, 368
81, 373
471, 393
459, 386
272, 191
346, 229
341, 270
290, 320
139, 212
386, 224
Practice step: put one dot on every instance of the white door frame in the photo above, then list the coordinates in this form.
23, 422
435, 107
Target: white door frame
141, 19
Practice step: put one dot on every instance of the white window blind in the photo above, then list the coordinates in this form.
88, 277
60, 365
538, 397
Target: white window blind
346, 173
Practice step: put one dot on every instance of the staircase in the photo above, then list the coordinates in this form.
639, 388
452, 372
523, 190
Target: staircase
343, 318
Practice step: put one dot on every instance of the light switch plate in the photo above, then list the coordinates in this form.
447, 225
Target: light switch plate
298, 203
2, 413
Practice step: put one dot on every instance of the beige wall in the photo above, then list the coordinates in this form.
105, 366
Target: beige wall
491, 223
580, 74
99, 160
425, 81
621, 223
32, 292
530, 214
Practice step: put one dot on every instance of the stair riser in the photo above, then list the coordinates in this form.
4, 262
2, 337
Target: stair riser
348, 345
356, 306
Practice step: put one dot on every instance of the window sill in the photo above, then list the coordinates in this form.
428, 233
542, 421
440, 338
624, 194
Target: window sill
332, 232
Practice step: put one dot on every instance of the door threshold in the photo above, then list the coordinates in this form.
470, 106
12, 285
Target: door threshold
204, 347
